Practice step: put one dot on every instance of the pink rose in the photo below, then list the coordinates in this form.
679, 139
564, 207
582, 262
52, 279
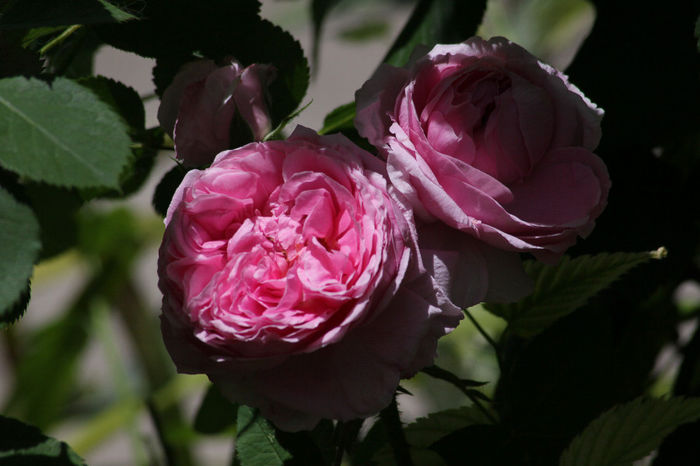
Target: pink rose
486, 138
290, 276
202, 103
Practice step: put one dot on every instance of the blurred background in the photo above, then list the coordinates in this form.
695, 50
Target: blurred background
86, 364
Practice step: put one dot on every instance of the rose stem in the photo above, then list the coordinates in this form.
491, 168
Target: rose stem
394, 430
484, 334
447, 376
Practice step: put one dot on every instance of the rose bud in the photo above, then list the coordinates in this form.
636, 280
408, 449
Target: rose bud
484, 137
290, 276
207, 107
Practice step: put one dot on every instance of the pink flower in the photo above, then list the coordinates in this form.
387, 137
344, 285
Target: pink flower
202, 103
290, 277
484, 137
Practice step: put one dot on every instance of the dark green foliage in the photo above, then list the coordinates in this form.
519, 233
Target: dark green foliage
74, 57
340, 118
319, 11
256, 444
564, 287
177, 32
436, 22
216, 414
62, 135
19, 248
146, 143
166, 188
682, 444
123, 100
574, 354
485, 445
24, 445
629, 432
315, 447
16, 60
371, 444
55, 209
365, 31
553, 385
18, 308
650, 145
25, 14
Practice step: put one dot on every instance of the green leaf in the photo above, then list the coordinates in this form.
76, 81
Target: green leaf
63, 135
372, 445
177, 27
25, 445
563, 288
16, 58
69, 54
319, 11
25, 14
629, 432
256, 444
278, 132
18, 309
433, 22
124, 100
485, 445
425, 431
365, 31
19, 249
339, 118
55, 208
317, 446
216, 414
163, 194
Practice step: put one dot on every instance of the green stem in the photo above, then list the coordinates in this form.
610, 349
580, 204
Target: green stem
484, 334
120, 377
58, 39
392, 422
157, 367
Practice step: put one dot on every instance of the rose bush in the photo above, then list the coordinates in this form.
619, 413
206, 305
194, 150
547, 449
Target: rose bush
484, 137
290, 276
204, 101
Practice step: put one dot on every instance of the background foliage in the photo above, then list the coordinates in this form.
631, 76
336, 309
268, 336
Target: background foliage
600, 365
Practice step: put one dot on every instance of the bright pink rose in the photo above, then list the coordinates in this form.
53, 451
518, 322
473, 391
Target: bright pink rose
290, 276
199, 107
486, 138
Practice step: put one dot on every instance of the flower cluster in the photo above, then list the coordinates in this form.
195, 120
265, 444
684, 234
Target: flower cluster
307, 276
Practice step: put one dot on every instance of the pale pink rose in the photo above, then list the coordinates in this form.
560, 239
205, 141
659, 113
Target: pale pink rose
484, 137
291, 277
199, 107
